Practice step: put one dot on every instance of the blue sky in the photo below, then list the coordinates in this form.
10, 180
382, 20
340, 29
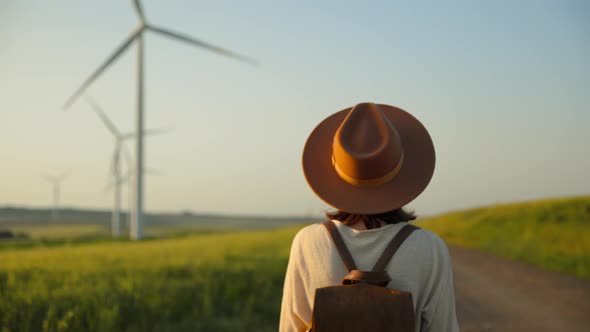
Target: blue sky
503, 87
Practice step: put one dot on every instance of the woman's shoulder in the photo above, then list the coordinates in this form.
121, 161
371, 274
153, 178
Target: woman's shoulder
309, 233
431, 247
431, 238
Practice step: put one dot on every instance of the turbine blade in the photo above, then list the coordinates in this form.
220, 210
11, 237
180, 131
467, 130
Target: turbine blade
114, 161
202, 44
157, 131
102, 116
48, 178
128, 158
147, 132
139, 9
127, 177
127, 136
64, 175
102, 67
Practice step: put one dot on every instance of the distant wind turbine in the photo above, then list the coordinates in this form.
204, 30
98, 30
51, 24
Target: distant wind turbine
126, 179
115, 169
55, 181
137, 35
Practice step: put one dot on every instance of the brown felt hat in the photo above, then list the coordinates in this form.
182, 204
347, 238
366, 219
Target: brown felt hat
369, 159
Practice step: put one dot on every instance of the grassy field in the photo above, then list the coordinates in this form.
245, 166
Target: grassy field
232, 281
553, 234
11, 217
59, 231
208, 282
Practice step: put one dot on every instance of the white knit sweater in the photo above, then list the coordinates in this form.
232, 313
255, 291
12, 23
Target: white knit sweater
421, 266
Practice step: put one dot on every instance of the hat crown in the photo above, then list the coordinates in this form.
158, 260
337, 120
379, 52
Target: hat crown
367, 148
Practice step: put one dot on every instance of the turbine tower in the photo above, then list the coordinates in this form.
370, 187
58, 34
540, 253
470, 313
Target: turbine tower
55, 181
117, 178
126, 179
137, 35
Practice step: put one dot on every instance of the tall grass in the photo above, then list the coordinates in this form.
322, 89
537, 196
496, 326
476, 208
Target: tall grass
215, 282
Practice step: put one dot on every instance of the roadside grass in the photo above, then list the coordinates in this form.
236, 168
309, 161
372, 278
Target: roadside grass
553, 234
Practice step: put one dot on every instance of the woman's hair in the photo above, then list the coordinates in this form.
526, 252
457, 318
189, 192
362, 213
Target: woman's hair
372, 220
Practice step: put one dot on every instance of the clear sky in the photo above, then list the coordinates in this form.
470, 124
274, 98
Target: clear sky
503, 87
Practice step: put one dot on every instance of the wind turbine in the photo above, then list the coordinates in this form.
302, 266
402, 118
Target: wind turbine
126, 179
115, 169
137, 35
55, 181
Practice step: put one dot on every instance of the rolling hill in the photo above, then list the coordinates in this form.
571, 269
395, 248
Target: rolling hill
552, 233
37, 223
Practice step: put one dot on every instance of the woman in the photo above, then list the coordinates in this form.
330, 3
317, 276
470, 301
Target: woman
368, 162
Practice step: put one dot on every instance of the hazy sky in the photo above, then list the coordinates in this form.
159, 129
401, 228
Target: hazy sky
503, 87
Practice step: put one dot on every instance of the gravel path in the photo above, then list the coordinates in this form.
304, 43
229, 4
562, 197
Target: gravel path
496, 294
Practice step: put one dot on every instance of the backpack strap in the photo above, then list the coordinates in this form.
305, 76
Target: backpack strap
340, 246
393, 246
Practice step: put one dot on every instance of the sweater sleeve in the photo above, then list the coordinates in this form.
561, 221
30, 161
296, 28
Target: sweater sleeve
295, 313
439, 312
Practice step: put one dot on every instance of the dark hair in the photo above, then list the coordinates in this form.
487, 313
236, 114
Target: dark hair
372, 220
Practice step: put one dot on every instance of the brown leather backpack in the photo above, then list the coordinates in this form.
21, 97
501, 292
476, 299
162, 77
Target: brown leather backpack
362, 302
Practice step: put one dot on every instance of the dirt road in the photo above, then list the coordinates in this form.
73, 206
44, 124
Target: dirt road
496, 294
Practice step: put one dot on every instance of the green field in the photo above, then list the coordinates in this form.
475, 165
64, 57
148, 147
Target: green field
209, 282
232, 281
59, 231
553, 234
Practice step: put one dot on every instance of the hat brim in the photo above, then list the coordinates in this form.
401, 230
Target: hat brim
413, 177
